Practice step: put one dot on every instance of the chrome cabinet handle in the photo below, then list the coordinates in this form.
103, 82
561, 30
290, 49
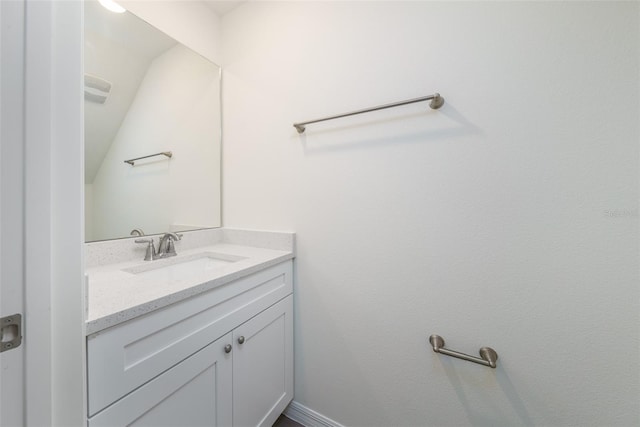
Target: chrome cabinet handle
241, 340
488, 356
227, 348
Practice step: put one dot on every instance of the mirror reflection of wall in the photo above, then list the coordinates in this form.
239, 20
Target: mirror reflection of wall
145, 93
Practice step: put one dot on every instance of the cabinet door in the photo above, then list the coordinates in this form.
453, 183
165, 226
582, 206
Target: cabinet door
263, 366
195, 392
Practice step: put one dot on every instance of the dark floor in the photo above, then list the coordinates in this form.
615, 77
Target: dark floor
286, 422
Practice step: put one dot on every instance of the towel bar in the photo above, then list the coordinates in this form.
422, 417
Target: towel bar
436, 102
488, 356
164, 153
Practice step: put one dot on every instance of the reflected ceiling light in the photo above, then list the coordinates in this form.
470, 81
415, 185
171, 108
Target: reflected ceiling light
112, 6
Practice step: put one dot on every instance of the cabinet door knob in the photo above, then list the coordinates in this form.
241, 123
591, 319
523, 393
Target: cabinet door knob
241, 340
227, 348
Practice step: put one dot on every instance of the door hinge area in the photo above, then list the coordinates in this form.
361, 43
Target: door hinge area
10, 332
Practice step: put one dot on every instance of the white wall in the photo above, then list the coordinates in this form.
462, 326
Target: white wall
177, 109
67, 222
190, 22
508, 219
53, 224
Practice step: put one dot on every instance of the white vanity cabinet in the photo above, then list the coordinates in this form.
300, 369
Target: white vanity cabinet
221, 358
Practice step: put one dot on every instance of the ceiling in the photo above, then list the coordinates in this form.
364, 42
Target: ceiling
220, 7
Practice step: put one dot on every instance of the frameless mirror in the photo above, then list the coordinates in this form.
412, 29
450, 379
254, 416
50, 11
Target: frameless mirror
150, 98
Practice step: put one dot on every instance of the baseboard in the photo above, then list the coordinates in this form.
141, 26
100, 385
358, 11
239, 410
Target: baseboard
308, 417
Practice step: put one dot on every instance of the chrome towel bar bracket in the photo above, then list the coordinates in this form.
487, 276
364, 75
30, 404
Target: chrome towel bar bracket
436, 102
488, 356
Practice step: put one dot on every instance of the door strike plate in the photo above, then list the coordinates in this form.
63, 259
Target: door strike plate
10, 332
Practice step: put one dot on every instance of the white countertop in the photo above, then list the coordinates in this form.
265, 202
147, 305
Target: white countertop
115, 296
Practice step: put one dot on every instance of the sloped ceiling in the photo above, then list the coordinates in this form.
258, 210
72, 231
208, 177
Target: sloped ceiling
119, 49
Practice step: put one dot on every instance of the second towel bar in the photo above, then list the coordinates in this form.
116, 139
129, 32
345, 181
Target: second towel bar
436, 102
168, 154
488, 356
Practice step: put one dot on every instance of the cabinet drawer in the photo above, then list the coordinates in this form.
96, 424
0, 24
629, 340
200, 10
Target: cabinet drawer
123, 358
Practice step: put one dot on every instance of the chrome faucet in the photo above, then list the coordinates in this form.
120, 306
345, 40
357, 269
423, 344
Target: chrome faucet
166, 248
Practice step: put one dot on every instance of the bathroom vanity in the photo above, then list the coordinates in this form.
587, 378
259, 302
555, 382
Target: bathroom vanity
202, 338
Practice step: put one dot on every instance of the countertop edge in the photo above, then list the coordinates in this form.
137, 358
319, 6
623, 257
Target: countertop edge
98, 325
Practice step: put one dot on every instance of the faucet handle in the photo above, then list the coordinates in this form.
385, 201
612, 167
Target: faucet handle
151, 249
171, 248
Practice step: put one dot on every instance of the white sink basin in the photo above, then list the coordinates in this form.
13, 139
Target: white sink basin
179, 268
